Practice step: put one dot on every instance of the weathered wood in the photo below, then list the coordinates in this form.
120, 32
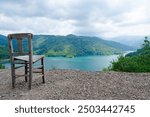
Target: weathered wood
20, 35
19, 62
26, 71
20, 48
42, 63
30, 61
38, 67
19, 67
26, 59
11, 60
37, 71
17, 76
18, 53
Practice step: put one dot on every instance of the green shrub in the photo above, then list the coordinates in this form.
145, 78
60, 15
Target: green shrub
132, 64
2, 67
139, 61
107, 69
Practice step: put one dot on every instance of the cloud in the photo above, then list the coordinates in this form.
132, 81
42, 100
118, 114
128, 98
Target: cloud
106, 18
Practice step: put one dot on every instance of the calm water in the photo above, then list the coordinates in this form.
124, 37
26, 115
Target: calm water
88, 63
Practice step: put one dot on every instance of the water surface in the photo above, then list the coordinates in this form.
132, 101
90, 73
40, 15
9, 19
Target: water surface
86, 63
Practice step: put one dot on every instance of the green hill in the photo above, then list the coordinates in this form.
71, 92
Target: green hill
72, 46
3, 53
3, 41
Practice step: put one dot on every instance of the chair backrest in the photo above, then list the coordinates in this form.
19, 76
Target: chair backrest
16, 45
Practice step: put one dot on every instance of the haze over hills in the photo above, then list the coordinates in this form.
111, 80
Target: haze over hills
133, 41
72, 45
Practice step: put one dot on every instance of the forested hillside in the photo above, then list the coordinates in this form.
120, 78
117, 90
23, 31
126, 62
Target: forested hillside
3, 47
70, 46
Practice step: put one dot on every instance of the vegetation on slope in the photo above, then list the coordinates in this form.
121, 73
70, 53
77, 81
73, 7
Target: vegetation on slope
3, 53
72, 46
2, 67
138, 61
3, 47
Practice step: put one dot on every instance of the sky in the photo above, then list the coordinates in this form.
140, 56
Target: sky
103, 18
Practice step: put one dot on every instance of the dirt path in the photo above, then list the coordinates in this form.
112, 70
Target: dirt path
69, 84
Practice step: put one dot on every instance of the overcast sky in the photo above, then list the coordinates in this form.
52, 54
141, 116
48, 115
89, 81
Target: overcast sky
104, 18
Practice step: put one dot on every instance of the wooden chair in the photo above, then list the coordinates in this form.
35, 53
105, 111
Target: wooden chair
23, 57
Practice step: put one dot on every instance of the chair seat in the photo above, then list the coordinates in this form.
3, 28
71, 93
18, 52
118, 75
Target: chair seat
26, 58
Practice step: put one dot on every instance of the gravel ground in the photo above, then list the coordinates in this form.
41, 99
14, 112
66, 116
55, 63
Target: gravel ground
78, 85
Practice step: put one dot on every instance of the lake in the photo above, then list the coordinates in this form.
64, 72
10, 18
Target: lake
86, 63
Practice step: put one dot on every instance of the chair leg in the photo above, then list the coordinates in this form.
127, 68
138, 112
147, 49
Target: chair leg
13, 75
26, 72
30, 75
42, 63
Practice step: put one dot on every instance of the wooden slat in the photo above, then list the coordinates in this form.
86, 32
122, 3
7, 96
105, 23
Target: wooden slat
37, 71
20, 48
20, 35
19, 67
16, 76
19, 63
18, 53
38, 67
35, 58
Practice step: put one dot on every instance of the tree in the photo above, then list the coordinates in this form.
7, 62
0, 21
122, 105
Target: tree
146, 43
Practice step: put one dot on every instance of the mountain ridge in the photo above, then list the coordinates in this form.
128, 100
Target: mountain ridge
72, 45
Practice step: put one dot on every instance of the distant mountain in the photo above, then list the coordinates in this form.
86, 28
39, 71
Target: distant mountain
133, 41
72, 45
